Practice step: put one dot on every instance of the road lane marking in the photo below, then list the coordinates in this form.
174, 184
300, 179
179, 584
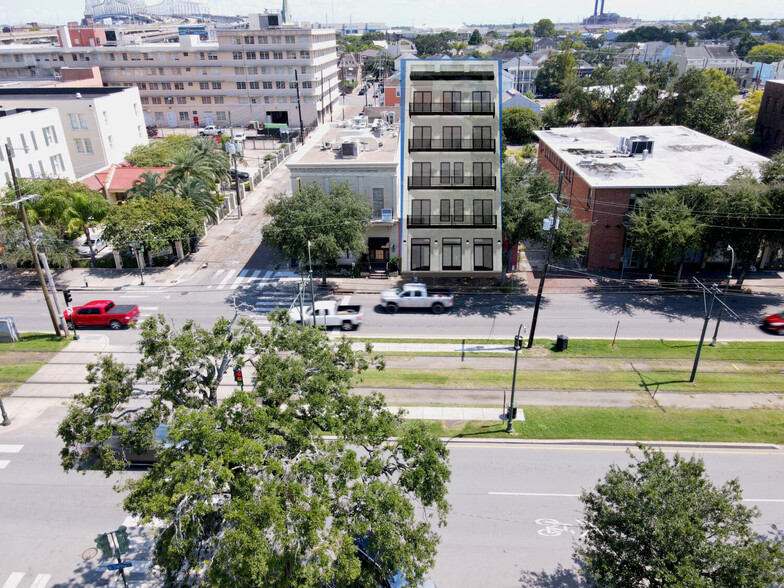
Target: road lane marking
4, 463
616, 449
345, 300
41, 580
10, 448
225, 280
13, 580
240, 277
148, 308
533, 494
763, 500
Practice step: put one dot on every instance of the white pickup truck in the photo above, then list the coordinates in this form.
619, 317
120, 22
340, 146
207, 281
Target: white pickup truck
330, 314
211, 131
417, 296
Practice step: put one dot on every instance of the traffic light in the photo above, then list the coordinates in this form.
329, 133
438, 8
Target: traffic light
68, 297
121, 535
102, 541
238, 376
141, 247
132, 248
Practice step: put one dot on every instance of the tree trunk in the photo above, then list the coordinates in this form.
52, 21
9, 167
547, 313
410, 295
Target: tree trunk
680, 271
742, 275
90, 245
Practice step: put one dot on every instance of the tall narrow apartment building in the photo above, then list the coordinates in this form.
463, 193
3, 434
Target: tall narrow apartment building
451, 174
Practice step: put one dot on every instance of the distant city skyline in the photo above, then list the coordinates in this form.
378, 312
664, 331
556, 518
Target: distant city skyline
428, 12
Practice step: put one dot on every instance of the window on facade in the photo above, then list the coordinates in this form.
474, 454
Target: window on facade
142, 86
422, 101
55, 163
266, 85
262, 40
33, 141
420, 255
248, 40
451, 100
206, 100
452, 137
480, 101
252, 71
153, 85
458, 211
179, 86
183, 115
304, 54
168, 100
204, 85
307, 85
280, 85
420, 212
218, 99
422, 137
420, 173
220, 116
291, 54
443, 212
482, 139
241, 86
483, 212
483, 255
483, 173
263, 54
277, 55
84, 146
49, 135
457, 172
166, 86
452, 253
445, 176
290, 39
78, 121
236, 55
150, 71
157, 101
378, 202
182, 100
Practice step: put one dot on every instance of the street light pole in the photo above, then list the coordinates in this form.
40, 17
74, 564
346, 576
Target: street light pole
299, 108
724, 298
33, 250
312, 297
518, 345
546, 263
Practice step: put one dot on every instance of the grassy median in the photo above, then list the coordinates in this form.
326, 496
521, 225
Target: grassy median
20, 360
634, 424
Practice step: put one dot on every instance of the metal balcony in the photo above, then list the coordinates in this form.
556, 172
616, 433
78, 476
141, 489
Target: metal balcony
437, 182
452, 108
465, 221
451, 145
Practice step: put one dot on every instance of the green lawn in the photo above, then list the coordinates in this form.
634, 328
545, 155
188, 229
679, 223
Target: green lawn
36, 342
19, 372
632, 348
636, 424
676, 381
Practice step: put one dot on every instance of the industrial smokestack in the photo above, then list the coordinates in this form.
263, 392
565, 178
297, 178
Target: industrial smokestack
602, 10
595, 7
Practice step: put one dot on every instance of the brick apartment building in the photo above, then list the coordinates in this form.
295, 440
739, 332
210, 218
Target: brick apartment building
607, 171
770, 120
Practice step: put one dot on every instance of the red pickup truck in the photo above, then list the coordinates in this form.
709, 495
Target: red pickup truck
103, 313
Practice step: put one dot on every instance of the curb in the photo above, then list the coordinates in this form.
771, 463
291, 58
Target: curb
616, 443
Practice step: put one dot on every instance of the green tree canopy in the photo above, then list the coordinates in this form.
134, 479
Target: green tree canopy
248, 491
766, 53
334, 222
87, 208
544, 28
476, 38
431, 44
156, 221
663, 523
159, 153
519, 124
519, 44
555, 73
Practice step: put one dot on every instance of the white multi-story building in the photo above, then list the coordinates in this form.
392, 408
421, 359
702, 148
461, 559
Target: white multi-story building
451, 173
38, 144
368, 159
244, 74
100, 125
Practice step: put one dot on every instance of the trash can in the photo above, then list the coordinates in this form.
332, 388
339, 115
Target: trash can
561, 343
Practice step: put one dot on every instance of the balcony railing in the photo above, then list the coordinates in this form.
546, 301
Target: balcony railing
449, 108
468, 221
451, 144
435, 182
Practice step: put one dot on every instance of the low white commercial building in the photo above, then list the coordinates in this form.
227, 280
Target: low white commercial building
38, 144
367, 158
100, 125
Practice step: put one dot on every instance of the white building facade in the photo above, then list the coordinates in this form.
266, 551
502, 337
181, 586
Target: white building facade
246, 74
100, 125
451, 168
38, 144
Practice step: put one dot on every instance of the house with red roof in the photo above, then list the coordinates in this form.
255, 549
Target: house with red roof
115, 181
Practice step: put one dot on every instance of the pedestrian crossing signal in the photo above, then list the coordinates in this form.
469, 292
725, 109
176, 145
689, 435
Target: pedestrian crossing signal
121, 534
238, 376
68, 297
102, 541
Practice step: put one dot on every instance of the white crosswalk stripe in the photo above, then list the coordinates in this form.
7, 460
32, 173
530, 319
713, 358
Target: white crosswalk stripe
4, 463
245, 278
8, 449
40, 580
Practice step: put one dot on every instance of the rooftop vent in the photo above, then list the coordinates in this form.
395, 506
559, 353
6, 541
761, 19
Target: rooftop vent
636, 145
349, 150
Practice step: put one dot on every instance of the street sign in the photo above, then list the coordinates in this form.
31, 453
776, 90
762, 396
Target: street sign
386, 215
119, 566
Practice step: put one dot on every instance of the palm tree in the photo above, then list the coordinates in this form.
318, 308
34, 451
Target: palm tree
148, 184
191, 162
86, 208
217, 156
198, 192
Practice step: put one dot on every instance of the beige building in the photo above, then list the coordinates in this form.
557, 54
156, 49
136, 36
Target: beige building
451, 191
367, 157
241, 75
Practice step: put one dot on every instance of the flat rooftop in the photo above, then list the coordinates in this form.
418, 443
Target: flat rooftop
680, 156
376, 148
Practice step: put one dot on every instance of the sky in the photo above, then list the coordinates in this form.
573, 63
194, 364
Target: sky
429, 12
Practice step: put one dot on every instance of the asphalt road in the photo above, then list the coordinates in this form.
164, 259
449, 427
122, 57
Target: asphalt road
473, 316
513, 522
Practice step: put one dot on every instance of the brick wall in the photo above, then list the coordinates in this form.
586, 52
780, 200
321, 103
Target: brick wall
770, 120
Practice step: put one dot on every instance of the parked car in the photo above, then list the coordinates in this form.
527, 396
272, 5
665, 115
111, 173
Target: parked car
98, 245
241, 174
211, 131
330, 314
744, 92
362, 91
102, 313
382, 577
120, 445
152, 130
774, 323
417, 296
238, 137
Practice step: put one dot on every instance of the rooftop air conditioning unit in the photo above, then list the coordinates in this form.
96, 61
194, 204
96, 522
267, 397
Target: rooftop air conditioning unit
636, 145
349, 150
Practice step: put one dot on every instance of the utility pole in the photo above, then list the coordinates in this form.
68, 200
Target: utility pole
724, 298
53, 291
299, 108
708, 310
20, 201
510, 414
312, 296
547, 262
231, 148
